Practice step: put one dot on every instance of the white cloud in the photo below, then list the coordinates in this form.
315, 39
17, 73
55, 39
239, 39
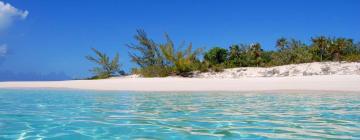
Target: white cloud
3, 50
8, 14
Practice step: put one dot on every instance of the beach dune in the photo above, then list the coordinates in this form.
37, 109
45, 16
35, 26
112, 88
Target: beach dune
317, 76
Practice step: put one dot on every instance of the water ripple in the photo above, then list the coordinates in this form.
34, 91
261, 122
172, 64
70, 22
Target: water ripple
56, 114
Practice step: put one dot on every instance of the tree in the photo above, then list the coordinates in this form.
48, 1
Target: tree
281, 43
299, 52
162, 59
295, 52
256, 50
182, 61
107, 67
147, 52
147, 55
216, 56
338, 45
320, 43
234, 56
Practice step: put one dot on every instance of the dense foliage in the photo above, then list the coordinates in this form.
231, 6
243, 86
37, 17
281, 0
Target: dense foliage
164, 59
289, 51
216, 56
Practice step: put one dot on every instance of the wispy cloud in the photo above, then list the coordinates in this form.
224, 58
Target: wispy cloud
8, 14
3, 50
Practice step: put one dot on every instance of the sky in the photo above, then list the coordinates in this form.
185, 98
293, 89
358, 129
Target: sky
39, 37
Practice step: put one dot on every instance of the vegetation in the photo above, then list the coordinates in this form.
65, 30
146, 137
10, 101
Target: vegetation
256, 52
107, 67
320, 46
148, 51
216, 56
180, 62
164, 59
290, 52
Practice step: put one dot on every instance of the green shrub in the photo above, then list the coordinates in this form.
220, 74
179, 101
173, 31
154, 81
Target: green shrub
295, 52
216, 56
162, 59
266, 58
181, 61
352, 58
218, 68
155, 71
135, 71
201, 66
301, 55
106, 68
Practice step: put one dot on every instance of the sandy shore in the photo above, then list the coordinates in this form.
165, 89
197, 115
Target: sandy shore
300, 83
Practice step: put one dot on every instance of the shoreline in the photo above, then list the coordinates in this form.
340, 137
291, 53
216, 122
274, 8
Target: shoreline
201, 91
323, 83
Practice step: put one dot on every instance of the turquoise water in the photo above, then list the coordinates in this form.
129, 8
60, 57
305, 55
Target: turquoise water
67, 114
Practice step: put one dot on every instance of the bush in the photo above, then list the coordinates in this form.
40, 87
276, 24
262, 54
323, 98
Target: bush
162, 59
135, 71
216, 56
106, 67
181, 61
296, 52
218, 68
155, 71
266, 58
201, 66
301, 55
352, 58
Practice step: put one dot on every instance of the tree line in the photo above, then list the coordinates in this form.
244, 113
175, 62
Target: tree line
161, 59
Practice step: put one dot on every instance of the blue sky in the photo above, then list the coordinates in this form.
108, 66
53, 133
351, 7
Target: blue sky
54, 36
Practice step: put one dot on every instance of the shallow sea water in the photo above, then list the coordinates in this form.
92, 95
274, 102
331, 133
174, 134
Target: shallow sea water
75, 114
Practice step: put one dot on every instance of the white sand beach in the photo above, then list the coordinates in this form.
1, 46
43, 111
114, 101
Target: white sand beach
323, 83
328, 76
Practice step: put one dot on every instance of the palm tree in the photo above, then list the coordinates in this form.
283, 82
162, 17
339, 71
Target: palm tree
256, 51
106, 67
281, 43
234, 51
321, 43
234, 56
338, 45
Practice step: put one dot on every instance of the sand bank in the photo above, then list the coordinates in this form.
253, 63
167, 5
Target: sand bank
319, 76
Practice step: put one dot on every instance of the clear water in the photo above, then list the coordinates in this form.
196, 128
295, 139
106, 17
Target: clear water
65, 114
